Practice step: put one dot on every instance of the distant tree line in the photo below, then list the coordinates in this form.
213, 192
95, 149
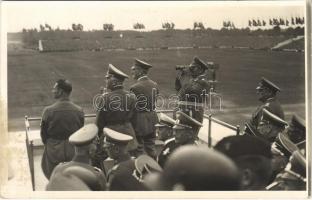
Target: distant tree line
294, 21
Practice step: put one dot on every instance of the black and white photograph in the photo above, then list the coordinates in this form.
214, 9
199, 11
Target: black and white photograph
160, 98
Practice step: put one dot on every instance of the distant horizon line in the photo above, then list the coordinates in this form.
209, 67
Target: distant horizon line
187, 29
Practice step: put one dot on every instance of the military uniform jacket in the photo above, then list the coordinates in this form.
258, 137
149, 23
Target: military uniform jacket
121, 177
59, 121
287, 181
116, 111
272, 105
169, 147
194, 91
145, 117
95, 179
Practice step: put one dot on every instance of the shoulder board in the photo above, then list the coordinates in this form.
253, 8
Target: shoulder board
272, 185
111, 171
115, 167
97, 169
169, 141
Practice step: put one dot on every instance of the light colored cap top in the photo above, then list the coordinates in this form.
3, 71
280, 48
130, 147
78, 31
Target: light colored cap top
84, 135
116, 72
116, 137
142, 64
165, 119
184, 119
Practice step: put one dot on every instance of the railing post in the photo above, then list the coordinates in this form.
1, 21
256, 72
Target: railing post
237, 129
209, 130
32, 167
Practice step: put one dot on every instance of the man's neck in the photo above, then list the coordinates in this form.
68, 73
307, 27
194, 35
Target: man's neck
63, 98
82, 158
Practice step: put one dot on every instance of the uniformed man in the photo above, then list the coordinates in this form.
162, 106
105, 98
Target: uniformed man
282, 149
80, 166
116, 110
267, 91
121, 177
185, 131
296, 133
196, 168
294, 175
270, 126
192, 93
145, 118
288, 141
296, 130
164, 129
58, 122
252, 155
145, 165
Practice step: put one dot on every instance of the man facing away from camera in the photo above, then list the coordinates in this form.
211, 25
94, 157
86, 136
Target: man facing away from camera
59, 121
145, 118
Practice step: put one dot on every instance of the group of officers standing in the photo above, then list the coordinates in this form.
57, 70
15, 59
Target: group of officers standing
268, 155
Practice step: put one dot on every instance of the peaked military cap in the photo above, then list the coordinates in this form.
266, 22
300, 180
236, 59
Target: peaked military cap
186, 121
145, 164
268, 84
284, 141
142, 64
274, 119
84, 135
166, 120
298, 163
116, 137
199, 62
244, 145
112, 70
298, 122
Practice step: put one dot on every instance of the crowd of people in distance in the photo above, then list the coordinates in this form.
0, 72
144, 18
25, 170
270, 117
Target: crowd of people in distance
130, 147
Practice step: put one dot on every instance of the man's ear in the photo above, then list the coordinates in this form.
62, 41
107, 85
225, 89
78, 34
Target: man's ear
246, 177
116, 149
178, 187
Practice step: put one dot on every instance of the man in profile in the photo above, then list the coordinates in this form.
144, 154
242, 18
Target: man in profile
267, 92
59, 121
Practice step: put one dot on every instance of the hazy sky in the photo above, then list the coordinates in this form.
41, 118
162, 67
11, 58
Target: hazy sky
152, 14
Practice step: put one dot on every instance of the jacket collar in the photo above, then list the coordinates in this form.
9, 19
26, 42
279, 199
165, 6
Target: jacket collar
142, 78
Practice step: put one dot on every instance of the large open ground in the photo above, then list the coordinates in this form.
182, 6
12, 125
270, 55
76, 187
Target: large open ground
31, 76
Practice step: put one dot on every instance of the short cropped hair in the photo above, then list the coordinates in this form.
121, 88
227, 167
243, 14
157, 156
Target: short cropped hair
65, 85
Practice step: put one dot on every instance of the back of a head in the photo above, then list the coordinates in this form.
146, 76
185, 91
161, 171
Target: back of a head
65, 85
66, 182
200, 169
249, 153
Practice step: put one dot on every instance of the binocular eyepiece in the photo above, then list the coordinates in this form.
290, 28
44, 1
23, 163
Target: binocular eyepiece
181, 67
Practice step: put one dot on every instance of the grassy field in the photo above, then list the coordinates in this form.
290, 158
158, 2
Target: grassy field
31, 76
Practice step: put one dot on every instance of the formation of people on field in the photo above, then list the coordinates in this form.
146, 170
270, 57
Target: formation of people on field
153, 151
